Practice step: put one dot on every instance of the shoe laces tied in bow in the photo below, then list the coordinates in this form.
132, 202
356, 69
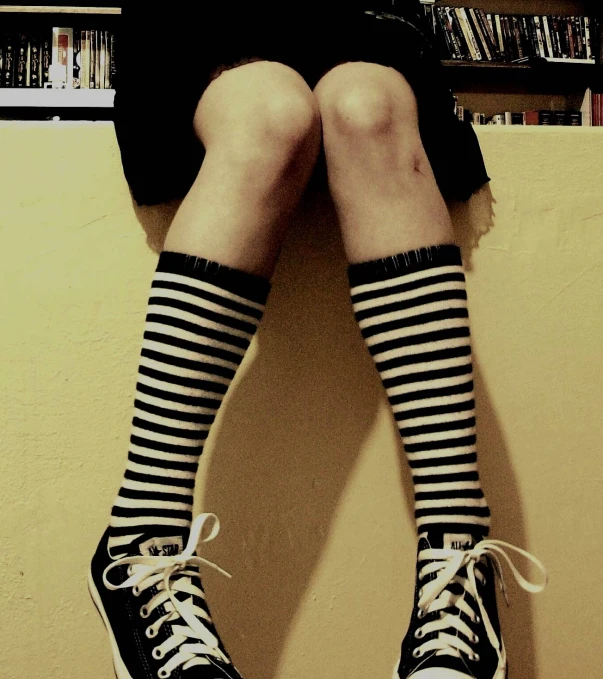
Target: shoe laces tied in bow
434, 595
171, 574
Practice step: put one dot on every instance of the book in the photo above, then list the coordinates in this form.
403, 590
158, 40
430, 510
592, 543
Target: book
107, 60
92, 84
113, 64
21, 61
62, 56
97, 69
35, 62
9, 60
85, 59
77, 59
102, 59
478, 34
45, 59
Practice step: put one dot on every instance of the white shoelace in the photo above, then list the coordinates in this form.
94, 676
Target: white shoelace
434, 596
146, 571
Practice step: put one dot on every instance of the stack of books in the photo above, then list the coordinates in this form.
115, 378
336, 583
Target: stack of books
540, 117
468, 34
64, 58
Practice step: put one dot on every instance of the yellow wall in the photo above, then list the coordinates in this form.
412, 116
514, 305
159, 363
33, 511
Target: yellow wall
303, 464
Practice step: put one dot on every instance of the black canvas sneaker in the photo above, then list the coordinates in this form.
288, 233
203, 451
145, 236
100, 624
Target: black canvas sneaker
454, 630
153, 605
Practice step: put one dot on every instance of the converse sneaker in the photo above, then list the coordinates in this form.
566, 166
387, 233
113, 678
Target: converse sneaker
153, 605
454, 630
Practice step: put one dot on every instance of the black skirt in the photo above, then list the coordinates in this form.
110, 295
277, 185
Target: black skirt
166, 59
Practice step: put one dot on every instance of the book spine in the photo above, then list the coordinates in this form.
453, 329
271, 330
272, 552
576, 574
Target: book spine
45, 58
92, 60
499, 35
489, 33
98, 76
113, 59
570, 34
21, 65
517, 36
444, 35
578, 37
9, 61
86, 62
77, 60
547, 35
458, 33
482, 35
107, 60
102, 60
524, 27
472, 42
35, 62
539, 37
587, 36
534, 50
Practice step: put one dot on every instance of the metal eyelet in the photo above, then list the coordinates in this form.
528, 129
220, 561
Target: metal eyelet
163, 674
130, 571
421, 614
419, 634
135, 590
420, 592
144, 612
475, 639
474, 657
478, 619
150, 632
157, 653
417, 653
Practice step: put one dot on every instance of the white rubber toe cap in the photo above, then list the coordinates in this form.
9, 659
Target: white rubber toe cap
440, 673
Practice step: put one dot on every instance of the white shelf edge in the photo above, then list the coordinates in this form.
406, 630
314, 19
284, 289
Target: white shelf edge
557, 60
57, 9
51, 98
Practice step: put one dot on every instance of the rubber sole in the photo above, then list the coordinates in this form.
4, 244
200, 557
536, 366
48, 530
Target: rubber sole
501, 672
121, 671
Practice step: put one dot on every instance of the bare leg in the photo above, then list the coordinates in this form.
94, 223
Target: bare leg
260, 126
379, 175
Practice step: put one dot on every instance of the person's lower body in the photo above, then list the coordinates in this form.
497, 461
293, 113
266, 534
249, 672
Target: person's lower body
239, 140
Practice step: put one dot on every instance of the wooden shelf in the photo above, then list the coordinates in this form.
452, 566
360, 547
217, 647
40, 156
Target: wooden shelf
51, 98
57, 9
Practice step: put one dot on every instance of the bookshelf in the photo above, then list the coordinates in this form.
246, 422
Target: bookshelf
541, 83
489, 87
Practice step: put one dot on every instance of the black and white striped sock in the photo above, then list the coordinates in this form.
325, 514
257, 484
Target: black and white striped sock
412, 312
200, 320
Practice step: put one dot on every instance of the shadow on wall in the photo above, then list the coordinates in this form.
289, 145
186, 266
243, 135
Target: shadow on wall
276, 485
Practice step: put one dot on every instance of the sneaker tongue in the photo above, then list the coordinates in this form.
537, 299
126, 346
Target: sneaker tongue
168, 545
438, 539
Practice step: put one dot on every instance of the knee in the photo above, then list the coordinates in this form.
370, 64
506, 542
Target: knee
356, 104
261, 110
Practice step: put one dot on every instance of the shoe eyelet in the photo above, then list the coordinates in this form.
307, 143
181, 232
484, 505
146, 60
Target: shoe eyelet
474, 657
478, 619
150, 632
163, 674
130, 571
417, 653
135, 590
420, 592
421, 614
475, 639
419, 634
157, 653
144, 612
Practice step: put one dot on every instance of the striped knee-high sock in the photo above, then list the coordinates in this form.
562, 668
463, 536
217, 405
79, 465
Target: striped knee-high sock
412, 312
200, 320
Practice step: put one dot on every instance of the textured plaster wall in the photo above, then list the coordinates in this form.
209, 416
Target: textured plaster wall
303, 464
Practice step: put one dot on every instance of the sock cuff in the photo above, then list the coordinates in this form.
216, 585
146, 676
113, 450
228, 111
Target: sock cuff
248, 285
404, 263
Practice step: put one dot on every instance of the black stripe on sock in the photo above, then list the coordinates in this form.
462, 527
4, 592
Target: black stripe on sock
197, 347
440, 445
406, 304
432, 393
209, 297
464, 511
400, 288
189, 364
436, 410
475, 493
446, 478
188, 382
162, 464
428, 376
438, 426
195, 418
411, 321
404, 263
242, 283
426, 357
198, 401
155, 495
468, 458
421, 338
165, 447
159, 480
132, 512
